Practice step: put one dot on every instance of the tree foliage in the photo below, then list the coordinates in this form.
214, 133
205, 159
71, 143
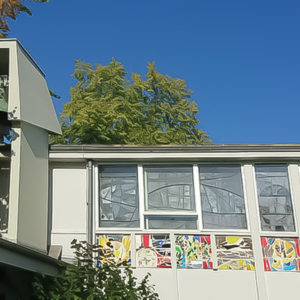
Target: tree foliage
89, 280
107, 108
10, 9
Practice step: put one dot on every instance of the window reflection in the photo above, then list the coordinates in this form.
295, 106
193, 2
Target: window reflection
118, 196
169, 188
274, 198
222, 197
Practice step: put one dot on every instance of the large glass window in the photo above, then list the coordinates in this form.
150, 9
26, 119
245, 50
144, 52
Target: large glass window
169, 188
222, 197
274, 198
118, 196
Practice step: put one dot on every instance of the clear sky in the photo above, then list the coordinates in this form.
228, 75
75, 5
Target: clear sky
241, 58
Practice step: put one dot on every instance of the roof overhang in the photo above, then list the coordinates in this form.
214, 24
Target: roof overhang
18, 256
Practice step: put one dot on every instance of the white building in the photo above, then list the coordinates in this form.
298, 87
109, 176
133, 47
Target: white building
208, 222
26, 117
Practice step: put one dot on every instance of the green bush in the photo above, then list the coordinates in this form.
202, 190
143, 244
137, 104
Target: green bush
89, 279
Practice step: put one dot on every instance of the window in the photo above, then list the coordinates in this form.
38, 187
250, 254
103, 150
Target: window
274, 198
222, 197
118, 196
4, 194
170, 190
4, 61
172, 222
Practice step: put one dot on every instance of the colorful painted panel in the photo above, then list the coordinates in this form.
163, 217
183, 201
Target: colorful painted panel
281, 254
116, 248
193, 251
234, 253
153, 251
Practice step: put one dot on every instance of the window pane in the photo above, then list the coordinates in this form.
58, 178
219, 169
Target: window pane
4, 194
118, 193
274, 198
157, 222
222, 197
169, 188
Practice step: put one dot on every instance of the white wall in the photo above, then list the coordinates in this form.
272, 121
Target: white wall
283, 285
212, 285
69, 205
33, 188
69, 221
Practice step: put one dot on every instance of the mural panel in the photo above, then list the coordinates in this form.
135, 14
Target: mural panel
116, 248
281, 254
193, 251
153, 251
234, 253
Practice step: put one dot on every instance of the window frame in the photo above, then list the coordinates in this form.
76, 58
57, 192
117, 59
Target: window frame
244, 231
169, 213
267, 233
98, 229
144, 213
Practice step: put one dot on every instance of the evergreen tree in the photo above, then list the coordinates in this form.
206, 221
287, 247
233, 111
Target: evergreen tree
107, 108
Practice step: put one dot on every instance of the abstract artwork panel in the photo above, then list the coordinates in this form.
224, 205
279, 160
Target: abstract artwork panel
234, 253
281, 254
193, 251
116, 248
153, 251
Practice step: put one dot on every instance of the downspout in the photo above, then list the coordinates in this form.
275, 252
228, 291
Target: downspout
90, 202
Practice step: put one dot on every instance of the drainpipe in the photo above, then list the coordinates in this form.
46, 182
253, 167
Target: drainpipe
90, 202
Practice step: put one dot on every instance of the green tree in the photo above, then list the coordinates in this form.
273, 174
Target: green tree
87, 279
107, 108
10, 9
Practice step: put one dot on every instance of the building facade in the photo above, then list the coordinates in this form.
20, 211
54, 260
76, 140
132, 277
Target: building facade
208, 222
27, 116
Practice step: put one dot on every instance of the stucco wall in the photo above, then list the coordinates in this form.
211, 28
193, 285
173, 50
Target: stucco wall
69, 221
33, 187
69, 205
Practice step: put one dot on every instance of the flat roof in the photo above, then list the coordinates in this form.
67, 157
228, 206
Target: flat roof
212, 148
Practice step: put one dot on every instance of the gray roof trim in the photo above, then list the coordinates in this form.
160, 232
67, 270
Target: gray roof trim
214, 148
25, 258
25, 53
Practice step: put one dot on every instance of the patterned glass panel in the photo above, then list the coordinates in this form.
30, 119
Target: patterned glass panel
281, 254
118, 196
234, 253
115, 248
274, 198
169, 188
193, 252
153, 251
222, 197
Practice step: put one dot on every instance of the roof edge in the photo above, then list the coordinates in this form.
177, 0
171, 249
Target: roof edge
26, 53
176, 148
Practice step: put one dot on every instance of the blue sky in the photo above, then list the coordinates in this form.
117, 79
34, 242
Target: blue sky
241, 58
